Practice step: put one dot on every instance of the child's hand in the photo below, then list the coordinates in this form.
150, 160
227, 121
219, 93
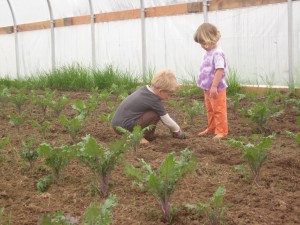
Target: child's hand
213, 92
179, 135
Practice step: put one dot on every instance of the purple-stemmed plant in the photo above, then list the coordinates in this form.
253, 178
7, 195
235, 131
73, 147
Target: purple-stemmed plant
101, 160
162, 182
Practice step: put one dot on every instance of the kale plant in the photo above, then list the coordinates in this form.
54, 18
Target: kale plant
58, 105
255, 153
214, 210
192, 110
28, 152
100, 214
57, 158
73, 126
134, 137
101, 160
43, 100
42, 127
162, 182
262, 112
19, 99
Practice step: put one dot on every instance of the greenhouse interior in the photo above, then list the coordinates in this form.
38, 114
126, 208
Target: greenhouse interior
260, 38
150, 112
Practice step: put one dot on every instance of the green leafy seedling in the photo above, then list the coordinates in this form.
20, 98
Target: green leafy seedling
44, 183
162, 182
43, 100
58, 105
57, 218
100, 214
101, 160
262, 112
235, 101
73, 126
16, 120
296, 136
84, 108
42, 127
191, 111
57, 158
19, 99
135, 136
214, 210
255, 153
28, 152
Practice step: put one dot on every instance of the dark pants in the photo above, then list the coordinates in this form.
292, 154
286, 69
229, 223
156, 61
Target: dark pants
149, 118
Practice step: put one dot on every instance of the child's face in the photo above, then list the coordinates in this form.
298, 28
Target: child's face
164, 95
208, 47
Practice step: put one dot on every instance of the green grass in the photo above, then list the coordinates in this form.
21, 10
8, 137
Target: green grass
233, 82
76, 77
114, 79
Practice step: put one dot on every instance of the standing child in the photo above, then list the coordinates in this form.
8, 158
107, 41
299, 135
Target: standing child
212, 80
144, 107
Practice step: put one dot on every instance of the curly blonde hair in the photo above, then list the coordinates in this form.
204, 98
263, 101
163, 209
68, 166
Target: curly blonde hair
207, 33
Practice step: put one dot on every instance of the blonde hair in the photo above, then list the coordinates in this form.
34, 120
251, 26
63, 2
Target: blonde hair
165, 80
207, 33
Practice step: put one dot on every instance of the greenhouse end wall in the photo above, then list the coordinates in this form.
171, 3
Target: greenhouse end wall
255, 40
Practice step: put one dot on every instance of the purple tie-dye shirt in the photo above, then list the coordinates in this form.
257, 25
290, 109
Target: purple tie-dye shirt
212, 60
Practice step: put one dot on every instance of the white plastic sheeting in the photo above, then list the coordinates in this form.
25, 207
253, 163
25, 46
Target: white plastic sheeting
255, 40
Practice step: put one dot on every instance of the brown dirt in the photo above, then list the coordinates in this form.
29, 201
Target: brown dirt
275, 201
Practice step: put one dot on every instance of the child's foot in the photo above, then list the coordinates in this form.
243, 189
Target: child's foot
143, 141
205, 132
218, 137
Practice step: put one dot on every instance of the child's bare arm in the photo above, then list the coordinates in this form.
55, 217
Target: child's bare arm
214, 86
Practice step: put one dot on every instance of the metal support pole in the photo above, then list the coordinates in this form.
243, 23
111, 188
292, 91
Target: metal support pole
205, 10
93, 35
144, 59
290, 44
52, 24
16, 39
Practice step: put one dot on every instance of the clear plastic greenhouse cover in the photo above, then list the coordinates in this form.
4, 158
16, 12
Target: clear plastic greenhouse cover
259, 54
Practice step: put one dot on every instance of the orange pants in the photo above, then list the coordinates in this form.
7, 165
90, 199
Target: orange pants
216, 113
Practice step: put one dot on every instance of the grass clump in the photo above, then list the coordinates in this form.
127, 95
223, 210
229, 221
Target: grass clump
233, 82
